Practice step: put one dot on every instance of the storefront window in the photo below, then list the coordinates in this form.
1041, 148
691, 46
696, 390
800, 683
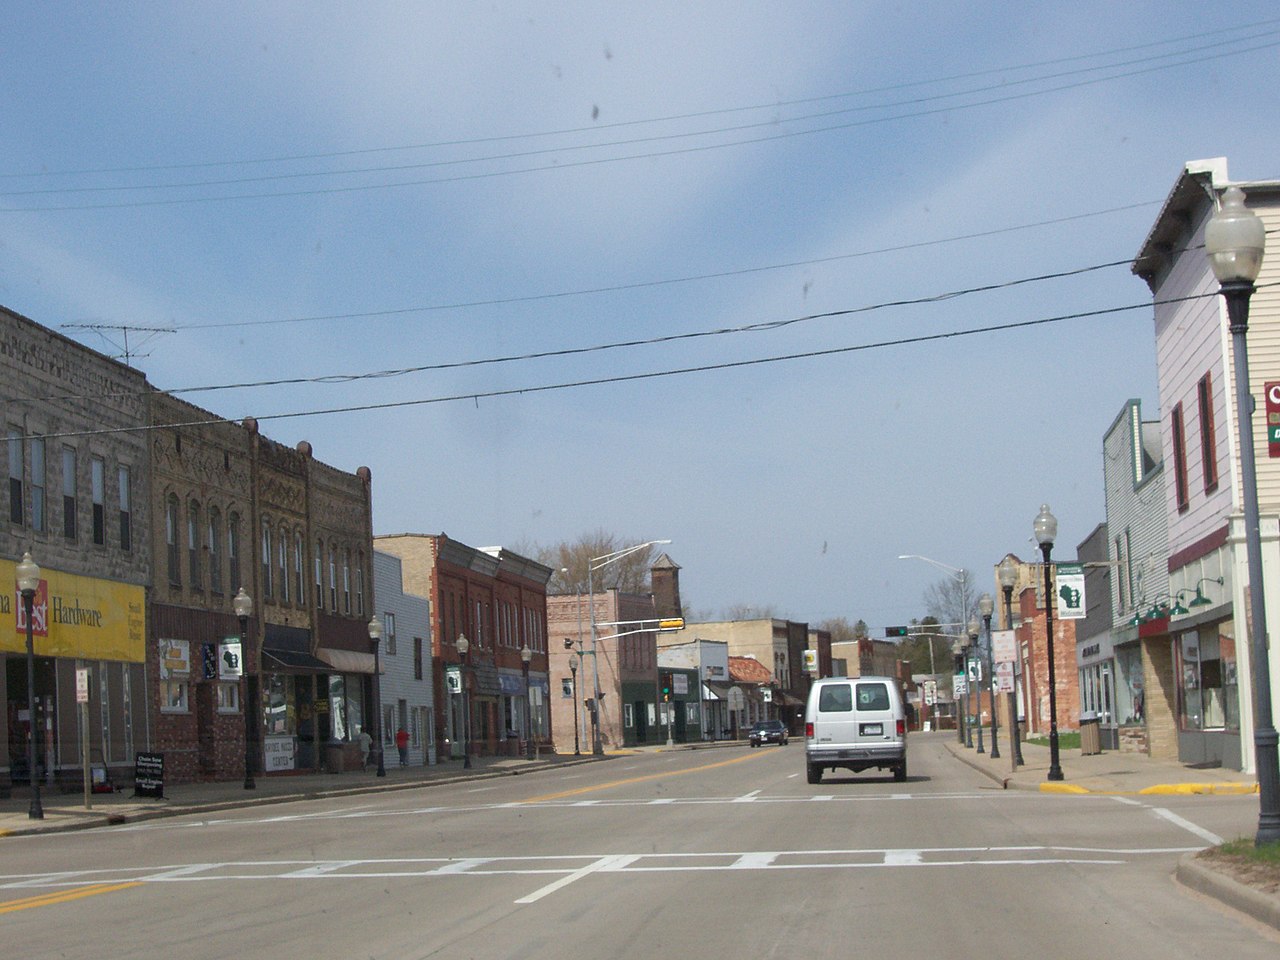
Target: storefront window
1207, 667
338, 707
278, 702
1129, 689
173, 696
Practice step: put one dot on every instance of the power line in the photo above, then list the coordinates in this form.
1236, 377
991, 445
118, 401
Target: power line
666, 119
569, 165
477, 396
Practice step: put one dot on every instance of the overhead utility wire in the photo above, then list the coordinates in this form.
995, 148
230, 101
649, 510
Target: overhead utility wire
573, 164
632, 142
651, 120
760, 326
652, 375
643, 284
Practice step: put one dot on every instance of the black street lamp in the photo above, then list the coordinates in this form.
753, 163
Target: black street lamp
242, 604
28, 583
525, 656
1008, 573
1235, 240
464, 646
985, 607
375, 636
1046, 528
975, 683
573, 670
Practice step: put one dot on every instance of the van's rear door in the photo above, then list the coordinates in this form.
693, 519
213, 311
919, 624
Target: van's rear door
874, 719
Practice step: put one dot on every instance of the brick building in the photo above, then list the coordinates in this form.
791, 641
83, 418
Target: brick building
75, 457
1034, 654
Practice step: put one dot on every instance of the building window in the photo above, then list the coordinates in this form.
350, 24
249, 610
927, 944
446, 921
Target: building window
417, 658
16, 512
333, 579
267, 560
69, 500
228, 693
283, 553
1179, 459
126, 510
98, 493
171, 541
320, 574
346, 582
233, 552
193, 544
298, 579
38, 484
173, 696
215, 550
360, 586
389, 632
1208, 437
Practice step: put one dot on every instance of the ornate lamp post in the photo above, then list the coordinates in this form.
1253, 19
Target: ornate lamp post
28, 583
986, 606
1046, 528
525, 656
1235, 240
975, 656
464, 646
242, 604
1008, 573
375, 637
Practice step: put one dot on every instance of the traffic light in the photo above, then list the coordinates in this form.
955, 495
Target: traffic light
895, 632
664, 680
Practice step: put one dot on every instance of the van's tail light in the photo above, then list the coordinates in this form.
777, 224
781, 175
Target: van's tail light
808, 731
902, 728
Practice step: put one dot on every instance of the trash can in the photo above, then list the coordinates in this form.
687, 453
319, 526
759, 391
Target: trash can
1090, 735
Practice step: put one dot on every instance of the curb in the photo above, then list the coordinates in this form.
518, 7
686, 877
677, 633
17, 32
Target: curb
1260, 906
94, 820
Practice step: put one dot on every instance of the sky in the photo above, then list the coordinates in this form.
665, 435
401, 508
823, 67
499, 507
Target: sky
706, 272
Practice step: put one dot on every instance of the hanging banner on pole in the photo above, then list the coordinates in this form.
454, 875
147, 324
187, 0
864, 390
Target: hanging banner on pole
1070, 591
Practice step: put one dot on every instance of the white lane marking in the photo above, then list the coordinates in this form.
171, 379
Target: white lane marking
604, 863
823, 797
186, 871
1129, 801
461, 866
1206, 835
662, 800
754, 861
747, 797
902, 858
320, 869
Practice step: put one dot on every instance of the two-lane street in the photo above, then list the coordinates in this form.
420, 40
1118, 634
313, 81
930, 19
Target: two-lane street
726, 849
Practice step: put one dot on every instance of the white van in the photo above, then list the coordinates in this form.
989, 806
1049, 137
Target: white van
856, 723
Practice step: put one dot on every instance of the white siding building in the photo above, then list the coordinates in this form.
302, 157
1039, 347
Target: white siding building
406, 681
1208, 643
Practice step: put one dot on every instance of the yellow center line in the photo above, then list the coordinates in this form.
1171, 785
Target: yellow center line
652, 776
63, 896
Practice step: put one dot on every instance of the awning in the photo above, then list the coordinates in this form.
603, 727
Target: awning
787, 700
348, 661
716, 691
292, 661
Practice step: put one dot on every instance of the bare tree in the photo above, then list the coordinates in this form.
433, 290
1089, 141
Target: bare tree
750, 611
842, 630
570, 560
950, 598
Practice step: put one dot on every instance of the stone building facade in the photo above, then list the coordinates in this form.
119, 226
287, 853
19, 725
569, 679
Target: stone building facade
76, 463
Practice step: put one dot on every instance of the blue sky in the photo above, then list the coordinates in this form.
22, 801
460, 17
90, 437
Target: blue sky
325, 190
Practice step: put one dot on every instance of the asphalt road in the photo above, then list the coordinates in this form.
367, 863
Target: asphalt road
722, 853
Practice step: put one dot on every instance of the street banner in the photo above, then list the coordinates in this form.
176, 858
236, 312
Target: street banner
1004, 646
1070, 591
1004, 678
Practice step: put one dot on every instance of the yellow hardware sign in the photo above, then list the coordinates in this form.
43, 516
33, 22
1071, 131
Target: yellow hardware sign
675, 623
73, 616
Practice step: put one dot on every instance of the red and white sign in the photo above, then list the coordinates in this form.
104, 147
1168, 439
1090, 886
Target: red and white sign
1272, 392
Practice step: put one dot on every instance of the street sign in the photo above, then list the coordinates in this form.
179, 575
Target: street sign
82, 684
810, 661
1004, 678
671, 624
930, 692
959, 685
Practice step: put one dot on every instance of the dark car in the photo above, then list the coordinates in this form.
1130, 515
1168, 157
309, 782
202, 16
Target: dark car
768, 731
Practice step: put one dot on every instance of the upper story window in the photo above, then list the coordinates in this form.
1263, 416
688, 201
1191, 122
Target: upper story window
267, 559
17, 512
333, 579
320, 574
173, 555
98, 494
193, 545
282, 552
389, 631
214, 539
1208, 436
1179, 459
38, 485
346, 582
233, 553
298, 580
360, 585
126, 510
70, 499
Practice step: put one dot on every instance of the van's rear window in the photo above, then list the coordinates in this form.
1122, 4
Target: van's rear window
835, 697
873, 696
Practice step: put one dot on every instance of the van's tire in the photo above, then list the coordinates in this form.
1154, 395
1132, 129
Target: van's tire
815, 773
900, 771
